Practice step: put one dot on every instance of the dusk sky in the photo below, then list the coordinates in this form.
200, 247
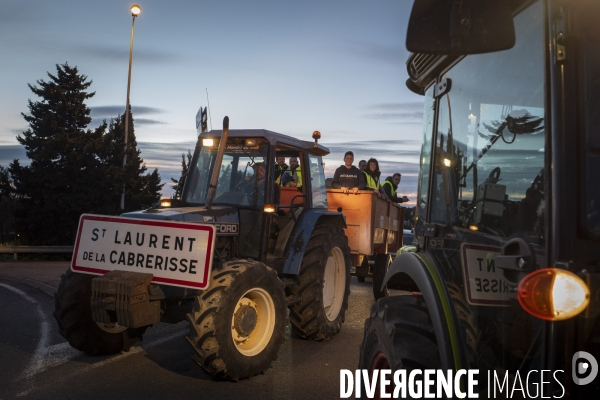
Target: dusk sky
290, 67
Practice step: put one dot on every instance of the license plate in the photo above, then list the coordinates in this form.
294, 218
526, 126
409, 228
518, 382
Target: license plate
483, 280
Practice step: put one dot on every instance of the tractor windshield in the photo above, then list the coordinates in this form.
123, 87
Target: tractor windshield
242, 177
591, 62
489, 150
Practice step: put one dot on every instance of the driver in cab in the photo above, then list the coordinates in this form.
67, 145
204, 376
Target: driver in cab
255, 186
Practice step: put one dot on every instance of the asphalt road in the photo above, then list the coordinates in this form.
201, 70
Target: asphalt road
37, 363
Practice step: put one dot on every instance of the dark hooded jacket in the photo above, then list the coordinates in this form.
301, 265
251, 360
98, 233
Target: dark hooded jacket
391, 190
348, 178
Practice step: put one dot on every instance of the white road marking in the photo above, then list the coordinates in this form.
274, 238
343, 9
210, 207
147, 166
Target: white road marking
46, 357
20, 293
37, 361
63, 352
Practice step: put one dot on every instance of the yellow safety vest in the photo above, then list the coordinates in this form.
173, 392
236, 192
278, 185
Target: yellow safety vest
370, 183
391, 187
297, 175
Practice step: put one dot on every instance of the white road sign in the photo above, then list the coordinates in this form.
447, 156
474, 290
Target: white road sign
483, 280
176, 253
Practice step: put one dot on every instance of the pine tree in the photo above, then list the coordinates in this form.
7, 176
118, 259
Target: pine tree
7, 204
141, 190
55, 187
178, 184
73, 170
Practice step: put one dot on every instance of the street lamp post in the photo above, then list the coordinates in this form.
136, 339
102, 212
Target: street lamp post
135, 10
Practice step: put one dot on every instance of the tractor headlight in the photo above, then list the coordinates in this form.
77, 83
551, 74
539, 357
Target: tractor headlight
165, 203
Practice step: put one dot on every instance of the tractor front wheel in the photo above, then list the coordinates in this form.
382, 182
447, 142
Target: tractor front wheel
238, 324
73, 313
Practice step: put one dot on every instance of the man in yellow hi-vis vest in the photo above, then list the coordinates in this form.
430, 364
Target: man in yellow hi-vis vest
293, 176
280, 168
390, 187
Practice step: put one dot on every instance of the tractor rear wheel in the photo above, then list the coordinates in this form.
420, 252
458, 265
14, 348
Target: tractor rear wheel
238, 324
323, 285
73, 312
382, 264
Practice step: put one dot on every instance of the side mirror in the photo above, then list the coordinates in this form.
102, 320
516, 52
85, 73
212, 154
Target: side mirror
457, 27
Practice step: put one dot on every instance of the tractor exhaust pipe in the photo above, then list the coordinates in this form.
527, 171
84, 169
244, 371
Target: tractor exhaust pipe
212, 189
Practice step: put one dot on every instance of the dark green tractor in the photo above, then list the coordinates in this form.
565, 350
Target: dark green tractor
505, 266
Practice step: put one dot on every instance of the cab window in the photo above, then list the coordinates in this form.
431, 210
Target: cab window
489, 146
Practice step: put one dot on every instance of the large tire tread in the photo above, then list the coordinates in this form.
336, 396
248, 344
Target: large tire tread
308, 317
466, 319
73, 315
210, 321
400, 328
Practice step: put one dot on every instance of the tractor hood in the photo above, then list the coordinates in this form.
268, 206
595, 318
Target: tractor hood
225, 219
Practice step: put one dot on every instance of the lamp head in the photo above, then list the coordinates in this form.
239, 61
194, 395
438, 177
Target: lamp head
135, 10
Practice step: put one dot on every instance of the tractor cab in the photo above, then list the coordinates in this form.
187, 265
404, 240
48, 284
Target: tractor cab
267, 198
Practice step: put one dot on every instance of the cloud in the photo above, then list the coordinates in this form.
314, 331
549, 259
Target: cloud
107, 112
393, 155
99, 52
120, 53
113, 111
384, 116
392, 55
15, 13
411, 105
144, 121
394, 146
11, 152
405, 112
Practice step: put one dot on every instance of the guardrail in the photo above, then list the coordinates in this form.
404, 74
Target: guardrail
35, 249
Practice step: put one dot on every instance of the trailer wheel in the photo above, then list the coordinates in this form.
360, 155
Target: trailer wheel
238, 324
73, 313
382, 264
398, 335
323, 285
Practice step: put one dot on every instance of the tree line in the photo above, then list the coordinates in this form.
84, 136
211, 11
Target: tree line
73, 169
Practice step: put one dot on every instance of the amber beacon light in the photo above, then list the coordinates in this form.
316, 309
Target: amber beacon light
553, 294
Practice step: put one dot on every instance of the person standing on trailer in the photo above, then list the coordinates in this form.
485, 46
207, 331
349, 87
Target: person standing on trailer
372, 175
347, 177
390, 188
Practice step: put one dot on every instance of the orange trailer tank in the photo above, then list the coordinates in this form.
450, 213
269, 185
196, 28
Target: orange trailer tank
374, 225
